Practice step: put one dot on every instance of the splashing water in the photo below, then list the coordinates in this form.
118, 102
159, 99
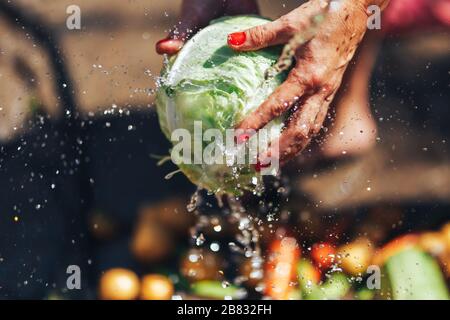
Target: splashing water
246, 241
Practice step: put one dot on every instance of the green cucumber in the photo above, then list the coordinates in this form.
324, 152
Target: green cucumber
216, 290
414, 275
334, 288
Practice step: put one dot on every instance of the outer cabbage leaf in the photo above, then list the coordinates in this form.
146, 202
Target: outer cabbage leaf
209, 82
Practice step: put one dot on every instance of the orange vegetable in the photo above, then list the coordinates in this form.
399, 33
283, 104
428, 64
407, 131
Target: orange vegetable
395, 246
281, 268
119, 284
355, 257
156, 287
323, 255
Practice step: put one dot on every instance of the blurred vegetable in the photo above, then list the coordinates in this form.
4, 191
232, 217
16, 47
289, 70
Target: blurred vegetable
151, 242
170, 213
217, 290
209, 82
336, 287
119, 284
323, 255
199, 265
365, 294
355, 257
281, 267
156, 287
393, 247
433, 243
446, 234
308, 275
414, 275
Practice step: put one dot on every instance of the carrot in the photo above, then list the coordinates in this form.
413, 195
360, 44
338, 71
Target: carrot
281, 268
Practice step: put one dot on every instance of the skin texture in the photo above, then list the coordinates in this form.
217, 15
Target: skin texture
318, 71
317, 75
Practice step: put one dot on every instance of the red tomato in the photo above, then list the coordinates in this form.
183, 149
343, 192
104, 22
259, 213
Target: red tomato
323, 255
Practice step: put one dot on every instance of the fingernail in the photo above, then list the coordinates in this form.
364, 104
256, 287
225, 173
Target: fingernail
237, 38
259, 166
242, 138
162, 41
168, 46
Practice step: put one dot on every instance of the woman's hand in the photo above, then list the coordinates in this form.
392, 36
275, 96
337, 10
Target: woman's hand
196, 14
320, 64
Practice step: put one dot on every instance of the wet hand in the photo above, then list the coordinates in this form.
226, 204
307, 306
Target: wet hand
320, 64
196, 14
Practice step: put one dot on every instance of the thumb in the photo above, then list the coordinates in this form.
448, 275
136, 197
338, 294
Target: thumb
177, 37
269, 34
195, 14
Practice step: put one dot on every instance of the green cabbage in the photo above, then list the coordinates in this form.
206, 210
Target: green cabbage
209, 82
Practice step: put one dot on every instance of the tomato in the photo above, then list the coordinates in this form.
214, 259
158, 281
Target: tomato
323, 255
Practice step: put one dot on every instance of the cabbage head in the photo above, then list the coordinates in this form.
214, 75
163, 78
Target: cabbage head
209, 82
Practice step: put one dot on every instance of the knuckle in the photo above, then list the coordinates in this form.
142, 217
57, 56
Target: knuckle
301, 135
327, 89
257, 35
288, 25
301, 132
297, 76
278, 108
301, 78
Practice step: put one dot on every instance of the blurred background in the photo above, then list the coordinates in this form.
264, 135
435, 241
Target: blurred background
80, 184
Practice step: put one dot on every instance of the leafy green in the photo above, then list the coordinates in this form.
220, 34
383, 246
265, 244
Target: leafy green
209, 82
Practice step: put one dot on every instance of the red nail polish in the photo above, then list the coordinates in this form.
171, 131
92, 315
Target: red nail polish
237, 38
259, 166
242, 138
162, 41
168, 46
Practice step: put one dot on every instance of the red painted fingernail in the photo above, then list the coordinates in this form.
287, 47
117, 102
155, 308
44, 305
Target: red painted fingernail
162, 41
158, 48
242, 138
259, 166
237, 38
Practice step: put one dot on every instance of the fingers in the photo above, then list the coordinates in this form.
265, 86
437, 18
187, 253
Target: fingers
195, 14
177, 36
169, 46
302, 126
281, 100
269, 34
